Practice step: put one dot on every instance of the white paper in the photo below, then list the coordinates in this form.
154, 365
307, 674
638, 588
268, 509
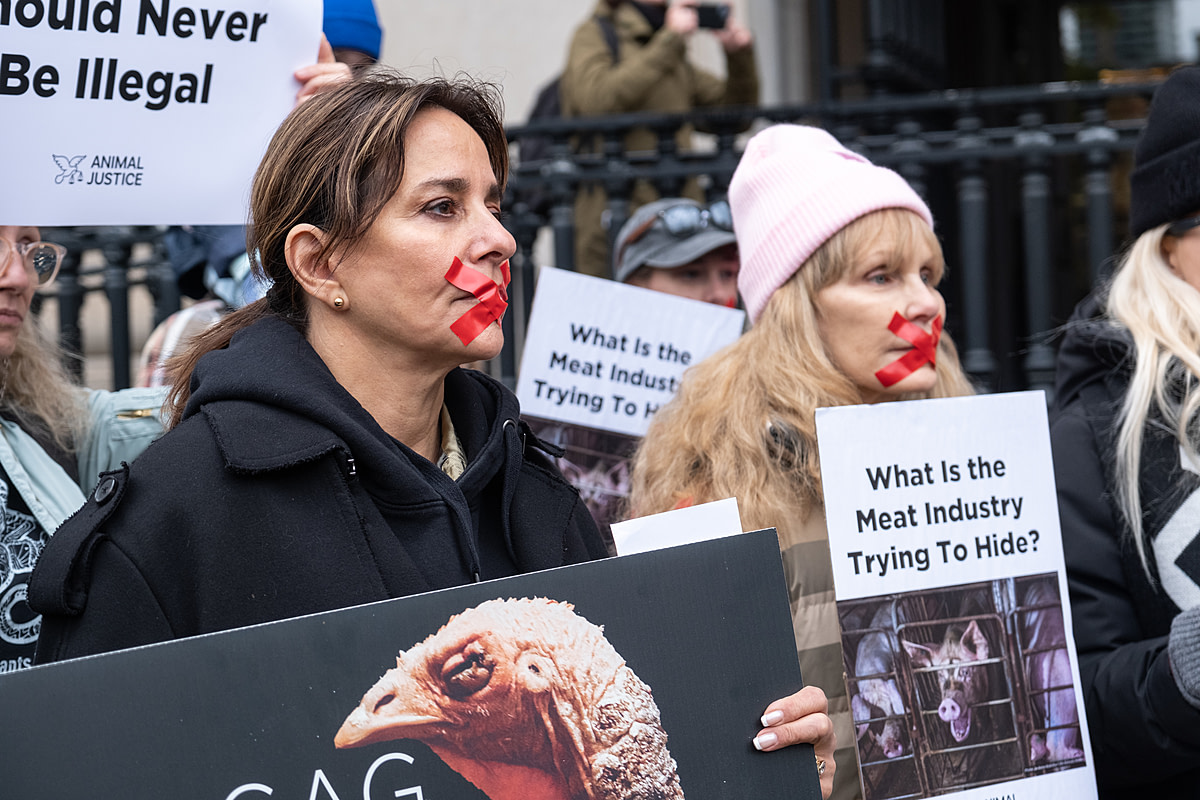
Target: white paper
681, 526
606, 355
117, 159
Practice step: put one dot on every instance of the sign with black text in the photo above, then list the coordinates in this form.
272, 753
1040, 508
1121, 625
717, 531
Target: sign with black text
951, 592
600, 359
573, 682
606, 355
135, 112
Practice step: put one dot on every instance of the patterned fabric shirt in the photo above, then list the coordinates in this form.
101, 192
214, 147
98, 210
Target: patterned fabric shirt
21, 542
452, 461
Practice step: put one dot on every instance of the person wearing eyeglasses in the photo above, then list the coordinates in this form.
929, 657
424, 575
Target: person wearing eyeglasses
680, 247
55, 437
833, 249
1125, 433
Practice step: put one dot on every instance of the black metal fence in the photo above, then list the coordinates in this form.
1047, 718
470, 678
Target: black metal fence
1027, 187
111, 261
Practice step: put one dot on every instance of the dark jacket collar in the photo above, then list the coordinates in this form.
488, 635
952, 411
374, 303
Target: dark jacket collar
1094, 347
273, 403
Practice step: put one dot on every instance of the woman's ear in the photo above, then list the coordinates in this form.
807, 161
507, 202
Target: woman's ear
312, 270
1169, 245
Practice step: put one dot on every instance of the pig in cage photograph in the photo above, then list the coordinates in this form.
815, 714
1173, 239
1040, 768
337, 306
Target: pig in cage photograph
961, 686
596, 463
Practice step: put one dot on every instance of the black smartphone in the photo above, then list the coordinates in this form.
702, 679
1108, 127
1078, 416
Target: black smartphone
712, 15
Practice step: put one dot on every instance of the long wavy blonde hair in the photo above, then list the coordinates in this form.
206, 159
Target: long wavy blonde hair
743, 423
1162, 313
38, 388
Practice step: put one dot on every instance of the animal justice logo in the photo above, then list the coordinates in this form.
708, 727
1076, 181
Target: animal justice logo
68, 169
523, 697
102, 170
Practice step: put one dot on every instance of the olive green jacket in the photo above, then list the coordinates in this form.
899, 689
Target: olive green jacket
651, 74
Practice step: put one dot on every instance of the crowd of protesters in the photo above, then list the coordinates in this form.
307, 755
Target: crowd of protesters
820, 246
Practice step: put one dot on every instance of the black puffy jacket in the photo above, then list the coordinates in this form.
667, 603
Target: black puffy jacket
278, 496
1145, 734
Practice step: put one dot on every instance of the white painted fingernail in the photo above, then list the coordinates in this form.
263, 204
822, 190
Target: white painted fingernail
765, 740
771, 718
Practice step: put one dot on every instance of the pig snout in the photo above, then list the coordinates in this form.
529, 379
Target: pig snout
953, 711
949, 710
891, 741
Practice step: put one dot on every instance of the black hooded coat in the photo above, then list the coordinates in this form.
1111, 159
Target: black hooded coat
278, 495
1145, 734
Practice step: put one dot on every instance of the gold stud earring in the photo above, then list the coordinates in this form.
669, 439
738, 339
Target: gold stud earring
338, 302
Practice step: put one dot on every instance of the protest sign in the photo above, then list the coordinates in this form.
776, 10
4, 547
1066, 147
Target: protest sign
680, 526
565, 683
600, 358
948, 571
147, 112
606, 355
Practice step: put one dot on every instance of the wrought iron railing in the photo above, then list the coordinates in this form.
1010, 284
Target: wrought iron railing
110, 261
1026, 186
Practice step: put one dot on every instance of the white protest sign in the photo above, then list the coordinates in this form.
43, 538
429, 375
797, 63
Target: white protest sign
951, 593
935, 492
143, 111
680, 526
606, 355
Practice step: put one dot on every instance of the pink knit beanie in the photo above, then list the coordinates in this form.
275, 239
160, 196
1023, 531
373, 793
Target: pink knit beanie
795, 187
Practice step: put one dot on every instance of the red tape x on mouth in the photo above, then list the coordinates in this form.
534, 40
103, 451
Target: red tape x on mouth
492, 297
924, 349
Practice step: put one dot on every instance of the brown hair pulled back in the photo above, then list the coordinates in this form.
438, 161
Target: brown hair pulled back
334, 163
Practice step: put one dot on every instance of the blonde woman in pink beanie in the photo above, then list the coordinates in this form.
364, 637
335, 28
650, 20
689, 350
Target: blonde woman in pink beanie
839, 275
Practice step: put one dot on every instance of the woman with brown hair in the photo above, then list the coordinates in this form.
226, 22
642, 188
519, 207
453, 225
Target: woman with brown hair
839, 275
326, 447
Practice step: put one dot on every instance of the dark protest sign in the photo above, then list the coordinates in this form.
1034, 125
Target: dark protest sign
542, 667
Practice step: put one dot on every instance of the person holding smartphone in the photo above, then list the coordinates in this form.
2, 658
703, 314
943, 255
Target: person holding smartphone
648, 71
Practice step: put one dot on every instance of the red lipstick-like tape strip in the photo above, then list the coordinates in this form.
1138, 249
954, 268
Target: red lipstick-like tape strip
492, 297
924, 349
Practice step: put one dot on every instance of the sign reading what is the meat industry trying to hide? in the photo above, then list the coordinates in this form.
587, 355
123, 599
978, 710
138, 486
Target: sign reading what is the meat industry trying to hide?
600, 359
948, 571
606, 355
625, 679
120, 112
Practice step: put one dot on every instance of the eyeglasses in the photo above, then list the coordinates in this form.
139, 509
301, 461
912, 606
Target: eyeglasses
40, 259
682, 221
1183, 226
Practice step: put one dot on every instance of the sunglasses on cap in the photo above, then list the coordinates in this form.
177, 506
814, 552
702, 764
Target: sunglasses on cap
682, 221
1183, 226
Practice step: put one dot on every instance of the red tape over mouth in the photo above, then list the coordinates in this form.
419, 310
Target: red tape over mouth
924, 349
492, 297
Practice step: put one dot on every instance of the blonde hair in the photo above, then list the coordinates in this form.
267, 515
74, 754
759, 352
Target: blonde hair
1162, 313
743, 423
38, 390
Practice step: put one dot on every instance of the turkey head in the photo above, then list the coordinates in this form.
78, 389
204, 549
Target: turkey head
526, 699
